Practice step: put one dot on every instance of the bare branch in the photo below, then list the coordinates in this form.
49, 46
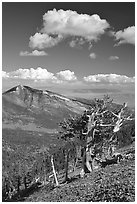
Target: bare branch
121, 111
105, 125
104, 112
94, 131
124, 105
129, 118
114, 114
84, 133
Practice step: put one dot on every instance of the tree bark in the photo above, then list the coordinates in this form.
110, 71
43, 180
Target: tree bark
85, 162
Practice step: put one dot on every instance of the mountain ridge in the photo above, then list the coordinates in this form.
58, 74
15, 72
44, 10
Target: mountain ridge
23, 102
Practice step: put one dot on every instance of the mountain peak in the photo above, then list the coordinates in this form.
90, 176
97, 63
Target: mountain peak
14, 89
44, 107
19, 88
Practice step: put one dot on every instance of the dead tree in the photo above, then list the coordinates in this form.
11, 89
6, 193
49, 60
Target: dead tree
54, 172
25, 181
89, 135
120, 119
76, 156
90, 126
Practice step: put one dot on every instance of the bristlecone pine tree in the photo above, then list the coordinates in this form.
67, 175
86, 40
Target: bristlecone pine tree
92, 131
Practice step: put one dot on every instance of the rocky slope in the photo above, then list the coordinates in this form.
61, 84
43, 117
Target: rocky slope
26, 107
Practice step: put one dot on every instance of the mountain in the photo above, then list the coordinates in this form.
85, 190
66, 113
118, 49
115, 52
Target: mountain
31, 116
31, 109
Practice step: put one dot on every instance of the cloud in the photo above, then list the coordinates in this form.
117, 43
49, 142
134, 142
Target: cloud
113, 58
127, 36
109, 78
66, 75
76, 42
74, 24
90, 46
33, 53
5, 74
34, 74
43, 40
92, 55
72, 43
60, 24
41, 74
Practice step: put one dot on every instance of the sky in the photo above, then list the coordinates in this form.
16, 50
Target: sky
79, 49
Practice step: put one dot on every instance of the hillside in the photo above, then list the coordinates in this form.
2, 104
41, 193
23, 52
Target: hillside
114, 183
31, 135
23, 105
31, 116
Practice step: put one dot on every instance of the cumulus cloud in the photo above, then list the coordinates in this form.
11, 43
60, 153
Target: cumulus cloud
43, 40
66, 75
109, 78
34, 74
74, 24
60, 24
41, 74
113, 58
125, 36
92, 55
5, 74
33, 53
76, 42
